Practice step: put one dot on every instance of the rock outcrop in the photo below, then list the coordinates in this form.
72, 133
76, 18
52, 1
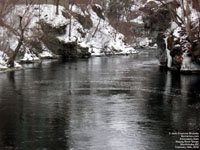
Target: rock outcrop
183, 38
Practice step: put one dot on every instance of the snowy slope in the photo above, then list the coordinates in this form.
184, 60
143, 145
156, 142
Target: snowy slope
100, 39
3, 60
106, 39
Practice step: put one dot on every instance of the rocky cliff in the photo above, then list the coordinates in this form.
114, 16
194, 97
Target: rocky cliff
71, 33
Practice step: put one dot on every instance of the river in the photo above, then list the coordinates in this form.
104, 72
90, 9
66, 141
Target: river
101, 103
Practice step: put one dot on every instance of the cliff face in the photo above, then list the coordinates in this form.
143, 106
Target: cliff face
73, 32
143, 22
174, 26
183, 37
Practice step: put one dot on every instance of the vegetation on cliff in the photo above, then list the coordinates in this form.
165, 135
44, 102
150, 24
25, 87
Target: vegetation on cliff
32, 31
183, 37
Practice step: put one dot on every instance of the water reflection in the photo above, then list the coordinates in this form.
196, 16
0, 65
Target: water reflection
101, 103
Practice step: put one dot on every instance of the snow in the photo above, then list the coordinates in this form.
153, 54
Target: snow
48, 14
179, 12
154, 46
166, 1
17, 65
134, 7
76, 9
194, 14
155, 1
138, 20
29, 57
176, 32
3, 60
187, 64
129, 50
105, 40
173, 27
144, 42
46, 53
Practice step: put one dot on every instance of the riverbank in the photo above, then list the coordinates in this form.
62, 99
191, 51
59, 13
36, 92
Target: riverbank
72, 33
19, 65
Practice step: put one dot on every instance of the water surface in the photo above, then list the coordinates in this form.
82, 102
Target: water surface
104, 103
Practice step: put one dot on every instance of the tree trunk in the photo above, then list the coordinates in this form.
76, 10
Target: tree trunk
188, 24
13, 57
20, 42
70, 21
2, 23
57, 7
183, 9
96, 28
39, 12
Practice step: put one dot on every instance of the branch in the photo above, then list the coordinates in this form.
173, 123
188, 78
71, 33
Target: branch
175, 16
3, 24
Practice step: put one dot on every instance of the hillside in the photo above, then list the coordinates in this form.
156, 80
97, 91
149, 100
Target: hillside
70, 33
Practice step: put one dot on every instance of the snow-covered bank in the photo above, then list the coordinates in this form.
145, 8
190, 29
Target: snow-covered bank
3, 63
99, 38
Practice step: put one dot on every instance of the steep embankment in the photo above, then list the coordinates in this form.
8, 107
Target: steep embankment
183, 37
174, 25
70, 33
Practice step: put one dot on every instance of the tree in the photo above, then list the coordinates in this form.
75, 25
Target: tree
17, 28
57, 7
185, 19
183, 42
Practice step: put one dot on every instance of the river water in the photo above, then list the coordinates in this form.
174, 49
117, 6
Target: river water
103, 103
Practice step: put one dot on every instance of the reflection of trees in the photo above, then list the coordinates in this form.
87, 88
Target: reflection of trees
192, 100
192, 86
11, 111
29, 116
47, 119
169, 105
158, 108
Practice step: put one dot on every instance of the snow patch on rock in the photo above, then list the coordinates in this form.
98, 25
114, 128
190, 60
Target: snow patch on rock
29, 57
3, 60
187, 64
138, 20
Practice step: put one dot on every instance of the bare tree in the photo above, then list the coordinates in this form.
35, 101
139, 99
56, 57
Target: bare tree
57, 6
97, 27
185, 20
18, 31
70, 5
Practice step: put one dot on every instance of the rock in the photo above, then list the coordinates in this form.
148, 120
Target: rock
48, 29
85, 21
73, 50
98, 11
